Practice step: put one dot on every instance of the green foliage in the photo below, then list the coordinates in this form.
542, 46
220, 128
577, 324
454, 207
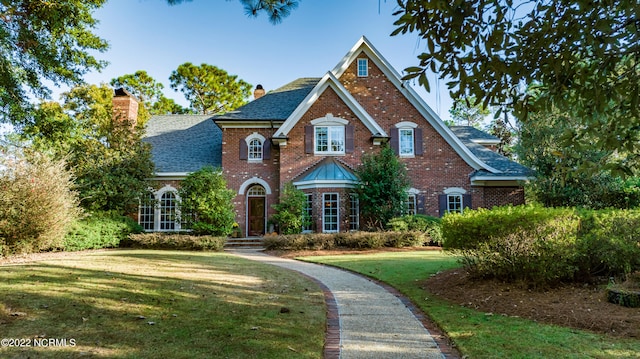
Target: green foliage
206, 204
99, 230
37, 205
159, 240
352, 240
210, 90
110, 162
468, 111
544, 246
429, 225
383, 190
581, 55
44, 41
290, 215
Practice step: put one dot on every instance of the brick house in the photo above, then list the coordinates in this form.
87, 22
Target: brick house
313, 132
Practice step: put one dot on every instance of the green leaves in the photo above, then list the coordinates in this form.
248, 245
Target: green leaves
209, 89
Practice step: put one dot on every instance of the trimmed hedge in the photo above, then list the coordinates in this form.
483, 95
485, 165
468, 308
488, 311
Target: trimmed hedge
544, 246
359, 240
99, 230
429, 225
178, 241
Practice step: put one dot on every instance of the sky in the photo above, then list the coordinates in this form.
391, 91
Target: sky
153, 36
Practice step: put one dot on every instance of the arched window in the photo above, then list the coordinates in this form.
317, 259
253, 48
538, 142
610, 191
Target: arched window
256, 190
168, 207
255, 149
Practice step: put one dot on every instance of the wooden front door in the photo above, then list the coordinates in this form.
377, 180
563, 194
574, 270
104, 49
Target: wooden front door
256, 216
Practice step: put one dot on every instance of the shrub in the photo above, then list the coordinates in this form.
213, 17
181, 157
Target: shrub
609, 244
37, 205
99, 230
174, 241
429, 225
290, 215
207, 203
353, 240
525, 243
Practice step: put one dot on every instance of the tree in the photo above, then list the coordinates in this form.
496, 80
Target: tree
207, 205
38, 205
210, 90
290, 214
582, 55
110, 162
383, 189
275, 9
502, 129
468, 112
44, 40
149, 92
574, 175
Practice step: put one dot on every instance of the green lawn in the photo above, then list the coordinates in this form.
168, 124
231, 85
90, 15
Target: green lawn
160, 304
476, 334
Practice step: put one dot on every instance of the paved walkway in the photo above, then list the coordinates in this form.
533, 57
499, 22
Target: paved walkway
371, 321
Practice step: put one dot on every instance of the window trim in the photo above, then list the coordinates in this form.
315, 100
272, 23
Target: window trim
400, 141
354, 212
362, 67
324, 215
252, 137
329, 140
455, 192
308, 209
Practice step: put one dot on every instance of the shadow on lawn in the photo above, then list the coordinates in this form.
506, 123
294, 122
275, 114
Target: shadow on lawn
142, 304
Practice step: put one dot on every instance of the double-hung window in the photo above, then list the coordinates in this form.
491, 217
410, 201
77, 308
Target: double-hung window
329, 139
454, 203
406, 141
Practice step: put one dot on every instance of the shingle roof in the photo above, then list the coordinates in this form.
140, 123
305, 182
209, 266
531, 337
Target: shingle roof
275, 105
184, 143
508, 167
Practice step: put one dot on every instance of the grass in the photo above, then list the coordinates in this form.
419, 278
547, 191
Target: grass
160, 304
477, 334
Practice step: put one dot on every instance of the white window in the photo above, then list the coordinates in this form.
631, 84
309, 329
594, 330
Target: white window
363, 67
146, 212
454, 203
354, 212
308, 211
406, 141
410, 207
329, 139
255, 150
168, 207
330, 212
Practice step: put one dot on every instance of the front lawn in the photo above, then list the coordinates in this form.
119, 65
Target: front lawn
478, 334
159, 304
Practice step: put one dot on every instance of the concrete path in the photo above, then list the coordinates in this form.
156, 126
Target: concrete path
373, 323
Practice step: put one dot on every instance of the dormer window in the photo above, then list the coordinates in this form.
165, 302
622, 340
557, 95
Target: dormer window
363, 67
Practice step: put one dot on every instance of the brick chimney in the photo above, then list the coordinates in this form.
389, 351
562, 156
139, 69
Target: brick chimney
125, 107
259, 92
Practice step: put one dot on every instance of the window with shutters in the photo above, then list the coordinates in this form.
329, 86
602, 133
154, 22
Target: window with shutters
329, 136
406, 139
410, 205
454, 200
329, 139
255, 148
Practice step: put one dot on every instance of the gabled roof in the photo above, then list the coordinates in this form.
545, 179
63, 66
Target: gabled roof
364, 46
183, 143
472, 137
275, 105
329, 80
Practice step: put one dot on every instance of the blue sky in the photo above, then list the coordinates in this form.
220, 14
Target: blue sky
153, 36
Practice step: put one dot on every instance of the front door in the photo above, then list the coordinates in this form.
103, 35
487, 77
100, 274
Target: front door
256, 216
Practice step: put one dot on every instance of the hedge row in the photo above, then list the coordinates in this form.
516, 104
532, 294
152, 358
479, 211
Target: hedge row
176, 241
359, 240
544, 246
99, 230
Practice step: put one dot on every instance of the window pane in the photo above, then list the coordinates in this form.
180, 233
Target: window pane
363, 69
308, 210
411, 205
330, 212
322, 139
337, 139
255, 149
454, 203
354, 212
168, 206
146, 217
406, 142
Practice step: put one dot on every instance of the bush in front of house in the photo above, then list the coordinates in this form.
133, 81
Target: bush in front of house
290, 215
37, 205
99, 230
351, 240
544, 246
609, 243
429, 225
177, 241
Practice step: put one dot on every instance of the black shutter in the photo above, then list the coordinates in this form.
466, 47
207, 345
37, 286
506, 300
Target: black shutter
348, 138
417, 141
266, 149
442, 204
466, 201
394, 142
420, 199
243, 149
308, 139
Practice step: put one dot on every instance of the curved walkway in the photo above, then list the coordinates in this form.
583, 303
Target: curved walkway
371, 321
